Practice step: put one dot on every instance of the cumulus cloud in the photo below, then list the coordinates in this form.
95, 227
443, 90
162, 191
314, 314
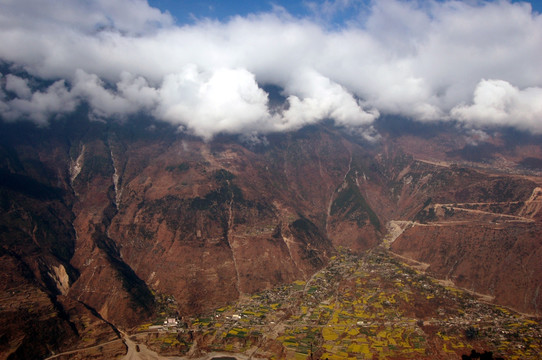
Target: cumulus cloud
498, 103
426, 60
40, 105
315, 97
102, 101
18, 86
226, 100
137, 90
127, 16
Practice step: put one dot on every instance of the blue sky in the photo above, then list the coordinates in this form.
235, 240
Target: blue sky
186, 11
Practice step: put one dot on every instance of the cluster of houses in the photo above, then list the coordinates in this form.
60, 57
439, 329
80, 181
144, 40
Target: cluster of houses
170, 324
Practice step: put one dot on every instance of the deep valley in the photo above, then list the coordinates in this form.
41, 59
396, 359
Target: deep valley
308, 243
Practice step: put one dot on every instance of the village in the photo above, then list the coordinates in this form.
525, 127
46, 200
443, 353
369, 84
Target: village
359, 307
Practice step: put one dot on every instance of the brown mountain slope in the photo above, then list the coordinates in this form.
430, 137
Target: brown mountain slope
488, 247
113, 217
106, 218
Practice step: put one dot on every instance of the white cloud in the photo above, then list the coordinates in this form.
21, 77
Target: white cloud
137, 90
315, 97
18, 86
41, 105
226, 100
102, 101
498, 103
126, 16
421, 59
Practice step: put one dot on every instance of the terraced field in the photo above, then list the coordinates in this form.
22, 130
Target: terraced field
359, 307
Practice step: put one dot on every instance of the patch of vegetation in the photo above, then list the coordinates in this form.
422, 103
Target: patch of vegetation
182, 167
218, 197
350, 202
427, 202
531, 163
223, 175
28, 186
486, 355
476, 153
170, 208
304, 225
471, 333
448, 212
425, 216
95, 166
140, 295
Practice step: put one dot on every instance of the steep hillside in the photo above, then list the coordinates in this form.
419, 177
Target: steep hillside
109, 216
490, 246
102, 221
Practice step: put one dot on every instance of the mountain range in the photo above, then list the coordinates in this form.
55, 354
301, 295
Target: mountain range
103, 220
